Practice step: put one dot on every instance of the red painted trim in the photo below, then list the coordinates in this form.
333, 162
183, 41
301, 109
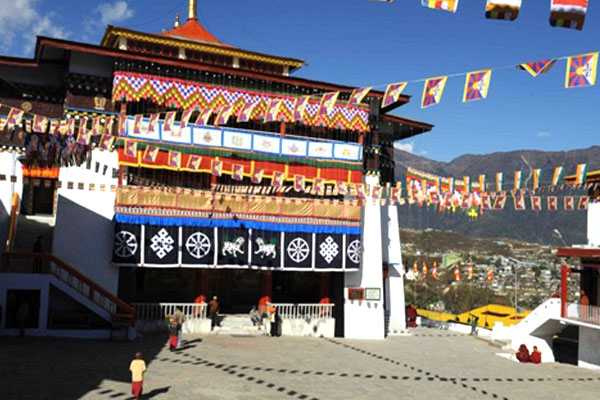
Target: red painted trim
564, 289
578, 252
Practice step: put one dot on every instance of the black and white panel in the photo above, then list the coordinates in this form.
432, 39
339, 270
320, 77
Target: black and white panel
329, 251
266, 249
233, 247
298, 250
353, 252
127, 247
161, 245
197, 246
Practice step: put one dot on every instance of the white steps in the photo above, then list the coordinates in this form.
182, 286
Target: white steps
238, 325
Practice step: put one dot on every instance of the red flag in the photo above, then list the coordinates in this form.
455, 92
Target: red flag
174, 159
584, 202
217, 167
150, 154
569, 203
194, 162
552, 203
238, 172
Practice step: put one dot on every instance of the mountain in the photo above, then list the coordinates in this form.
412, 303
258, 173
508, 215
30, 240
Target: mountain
527, 225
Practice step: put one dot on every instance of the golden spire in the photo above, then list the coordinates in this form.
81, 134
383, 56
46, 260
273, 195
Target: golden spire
192, 10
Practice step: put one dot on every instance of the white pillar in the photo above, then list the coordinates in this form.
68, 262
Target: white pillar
395, 282
593, 229
365, 319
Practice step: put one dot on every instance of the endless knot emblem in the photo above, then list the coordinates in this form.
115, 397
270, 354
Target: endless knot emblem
329, 249
162, 243
233, 248
298, 250
354, 249
125, 244
265, 250
198, 245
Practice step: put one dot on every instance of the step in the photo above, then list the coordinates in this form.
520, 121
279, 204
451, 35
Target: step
246, 331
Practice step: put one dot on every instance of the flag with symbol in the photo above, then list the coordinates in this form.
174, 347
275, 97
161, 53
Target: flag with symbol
328, 102
194, 162
581, 70
502, 9
15, 117
300, 107
477, 85
433, 91
581, 174
150, 154
174, 159
358, 95
40, 123
445, 5
238, 172
557, 175
393, 93
568, 13
537, 68
216, 167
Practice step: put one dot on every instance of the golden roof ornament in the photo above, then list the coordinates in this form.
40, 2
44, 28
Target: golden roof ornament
177, 21
192, 10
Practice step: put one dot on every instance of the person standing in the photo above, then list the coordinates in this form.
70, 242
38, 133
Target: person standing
213, 312
137, 368
474, 323
179, 319
584, 305
172, 334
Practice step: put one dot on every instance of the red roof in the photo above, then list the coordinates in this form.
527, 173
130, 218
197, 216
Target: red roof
583, 252
194, 31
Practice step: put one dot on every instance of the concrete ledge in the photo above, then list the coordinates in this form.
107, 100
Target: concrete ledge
323, 327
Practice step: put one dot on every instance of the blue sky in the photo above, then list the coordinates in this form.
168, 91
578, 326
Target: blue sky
361, 43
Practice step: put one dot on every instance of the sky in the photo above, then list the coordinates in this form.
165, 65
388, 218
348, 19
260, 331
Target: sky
365, 43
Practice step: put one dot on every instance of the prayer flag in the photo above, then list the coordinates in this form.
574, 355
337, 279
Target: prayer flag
108, 126
318, 186
238, 172
174, 159
223, 116
130, 149
393, 93
185, 118
552, 203
342, 188
300, 107
150, 154
277, 180
536, 203
358, 95
569, 203
466, 184
97, 126
557, 176
519, 202
517, 182
328, 102
54, 127
299, 183
204, 116
216, 167
446, 5
15, 117
169, 122
106, 141
273, 109
122, 125
40, 123
153, 122
433, 91
537, 68
583, 203
499, 178
581, 70
246, 112
502, 9
537, 173
257, 177
500, 202
194, 162
83, 135
137, 124
477, 85
482, 187
581, 174
568, 13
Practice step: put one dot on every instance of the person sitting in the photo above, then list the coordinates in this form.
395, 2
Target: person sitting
523, 354
255, 317
536, 356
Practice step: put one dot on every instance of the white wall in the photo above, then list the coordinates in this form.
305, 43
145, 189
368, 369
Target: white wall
594, 224
589, 348
83, 235
9, 165
365, 319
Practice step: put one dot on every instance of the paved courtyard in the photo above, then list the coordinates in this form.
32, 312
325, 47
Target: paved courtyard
430, 364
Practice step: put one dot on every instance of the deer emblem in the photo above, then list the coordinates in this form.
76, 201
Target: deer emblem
265, 250
233, 248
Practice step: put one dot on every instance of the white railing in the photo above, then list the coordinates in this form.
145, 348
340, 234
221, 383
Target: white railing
304, 311
161, 311
589, 314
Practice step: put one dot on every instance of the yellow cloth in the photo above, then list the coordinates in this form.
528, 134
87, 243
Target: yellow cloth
137, 369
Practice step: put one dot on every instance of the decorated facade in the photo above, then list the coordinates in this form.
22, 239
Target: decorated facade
177, 167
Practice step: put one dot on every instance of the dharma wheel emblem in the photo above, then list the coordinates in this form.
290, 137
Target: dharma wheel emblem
353, 251
198, 245
125, 244
298, 250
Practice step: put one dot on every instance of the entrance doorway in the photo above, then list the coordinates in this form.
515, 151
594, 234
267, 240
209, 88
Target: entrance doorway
238, 290
38, 197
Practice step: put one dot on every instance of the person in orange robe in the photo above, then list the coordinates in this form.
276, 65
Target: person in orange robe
536, 356
523, 354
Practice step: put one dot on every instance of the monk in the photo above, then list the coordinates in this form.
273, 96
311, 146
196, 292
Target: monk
137, 368
173, 331
536, 356
523, 354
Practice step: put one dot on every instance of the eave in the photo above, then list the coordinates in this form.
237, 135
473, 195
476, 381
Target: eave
226, 50
579, 252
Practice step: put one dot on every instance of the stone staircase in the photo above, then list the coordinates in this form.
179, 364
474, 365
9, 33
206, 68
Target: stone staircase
238, 325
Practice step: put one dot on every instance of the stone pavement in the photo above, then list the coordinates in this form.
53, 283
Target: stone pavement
430, 364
